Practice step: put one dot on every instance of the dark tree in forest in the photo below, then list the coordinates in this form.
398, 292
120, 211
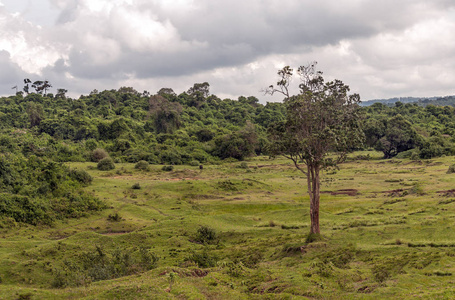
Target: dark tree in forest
166, 114
399, 136
35, 113
321, 126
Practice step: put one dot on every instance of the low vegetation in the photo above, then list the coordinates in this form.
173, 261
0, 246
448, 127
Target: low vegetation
188, 233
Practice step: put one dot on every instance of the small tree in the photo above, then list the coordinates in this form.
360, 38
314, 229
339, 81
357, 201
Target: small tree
321, 126
61, 93
106, 164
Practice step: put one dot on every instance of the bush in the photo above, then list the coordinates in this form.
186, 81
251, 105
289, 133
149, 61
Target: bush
205, 235
99, 264
136, 186
243, 165
171, 156
106, 164
91, 144
98, 154
114, 218
142, 165
194, 163
167, 168
81, 176
451, 169
203, 259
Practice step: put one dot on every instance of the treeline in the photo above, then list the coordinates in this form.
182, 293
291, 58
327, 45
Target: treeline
193, 127
410, 130
131, 126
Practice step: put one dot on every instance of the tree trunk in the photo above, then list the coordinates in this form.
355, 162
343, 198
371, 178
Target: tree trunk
313, 190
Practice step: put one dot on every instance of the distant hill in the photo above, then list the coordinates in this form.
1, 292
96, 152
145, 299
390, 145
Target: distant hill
422, 101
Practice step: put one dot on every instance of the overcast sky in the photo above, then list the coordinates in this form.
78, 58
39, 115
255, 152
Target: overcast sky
381, 49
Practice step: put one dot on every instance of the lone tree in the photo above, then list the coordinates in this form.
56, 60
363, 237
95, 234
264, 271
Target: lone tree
321, 126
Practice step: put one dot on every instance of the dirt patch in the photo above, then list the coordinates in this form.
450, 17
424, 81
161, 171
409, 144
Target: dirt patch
202, 197
272, 166
448, 193
436, 163
188, 273
112, 233
394, 193
180, 179
349, 192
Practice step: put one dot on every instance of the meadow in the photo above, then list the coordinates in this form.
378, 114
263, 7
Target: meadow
238, 230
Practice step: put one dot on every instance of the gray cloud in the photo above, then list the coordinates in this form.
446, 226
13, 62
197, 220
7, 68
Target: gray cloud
373, 46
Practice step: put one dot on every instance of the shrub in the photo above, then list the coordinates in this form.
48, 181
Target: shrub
148, 260
91, 144
167, 168
136, 186
98, 154
417, 189
114, 218
205, 235
381, 273
451, 169
194, 163
99, 264
106, 164
203, 259
142, 165
243, 165
82, 176
171, 156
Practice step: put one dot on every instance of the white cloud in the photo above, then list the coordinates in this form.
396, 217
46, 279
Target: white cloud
381, 49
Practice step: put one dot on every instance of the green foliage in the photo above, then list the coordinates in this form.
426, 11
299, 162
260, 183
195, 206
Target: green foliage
114, 218
243, 165
204, 258
81, 176
106, 164
399, 136
99, 154
323, 123
206, 235
167, 168
39, 191
142, 165
136, 186
451, 169
194, 163
99, 264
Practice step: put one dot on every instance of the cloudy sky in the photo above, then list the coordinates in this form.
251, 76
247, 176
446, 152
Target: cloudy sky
382, 49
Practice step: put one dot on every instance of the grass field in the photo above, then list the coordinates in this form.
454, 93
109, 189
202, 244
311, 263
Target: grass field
236, 231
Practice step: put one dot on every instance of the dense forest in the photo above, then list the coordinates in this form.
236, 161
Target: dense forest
41, 131
192, 127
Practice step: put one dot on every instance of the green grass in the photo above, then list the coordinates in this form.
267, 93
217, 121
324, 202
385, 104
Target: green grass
392, 238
